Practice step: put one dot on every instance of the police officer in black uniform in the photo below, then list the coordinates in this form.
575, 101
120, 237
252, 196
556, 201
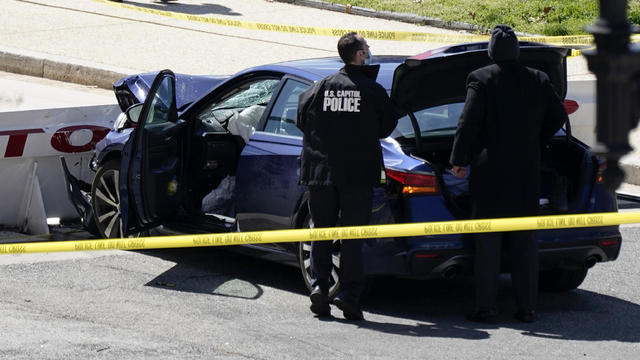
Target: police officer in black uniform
510, 112
343, 116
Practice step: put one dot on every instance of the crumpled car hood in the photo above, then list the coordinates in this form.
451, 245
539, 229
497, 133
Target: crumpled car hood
133, 89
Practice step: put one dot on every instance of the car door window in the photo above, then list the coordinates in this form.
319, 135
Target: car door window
255, 93
431, 121
282, 119
162, 103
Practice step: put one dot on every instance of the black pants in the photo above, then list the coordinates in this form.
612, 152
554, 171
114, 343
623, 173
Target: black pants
353, 207
522, 250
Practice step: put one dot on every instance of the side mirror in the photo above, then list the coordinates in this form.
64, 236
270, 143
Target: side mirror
133, 112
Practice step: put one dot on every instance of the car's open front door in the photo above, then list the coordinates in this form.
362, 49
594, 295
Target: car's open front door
151, 165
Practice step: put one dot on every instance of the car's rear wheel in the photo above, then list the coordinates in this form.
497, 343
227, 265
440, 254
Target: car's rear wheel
562, 279
105, 200
304, 259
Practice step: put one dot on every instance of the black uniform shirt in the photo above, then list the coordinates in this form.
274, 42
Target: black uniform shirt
343, 116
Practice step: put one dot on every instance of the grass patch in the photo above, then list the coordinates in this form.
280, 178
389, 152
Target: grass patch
544, 17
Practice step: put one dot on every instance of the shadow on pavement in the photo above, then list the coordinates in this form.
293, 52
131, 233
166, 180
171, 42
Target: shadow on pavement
217, 271
434, 308
191, 9
574, 315
422, 329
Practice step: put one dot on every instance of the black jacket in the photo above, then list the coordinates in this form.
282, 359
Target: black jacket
509, 113
343, 116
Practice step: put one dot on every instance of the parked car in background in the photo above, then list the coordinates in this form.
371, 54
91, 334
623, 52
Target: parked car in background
198, 154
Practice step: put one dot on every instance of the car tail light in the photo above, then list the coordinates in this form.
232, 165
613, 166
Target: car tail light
571, 106
602, 165
425, 256
414, 183
610, 242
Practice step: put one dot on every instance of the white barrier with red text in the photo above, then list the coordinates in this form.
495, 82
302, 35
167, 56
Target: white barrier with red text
32, 184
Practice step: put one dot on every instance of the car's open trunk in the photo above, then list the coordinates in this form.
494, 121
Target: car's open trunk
567, 175
431, 89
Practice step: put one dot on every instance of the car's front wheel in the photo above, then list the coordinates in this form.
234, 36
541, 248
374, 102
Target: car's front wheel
304, 259
105, 200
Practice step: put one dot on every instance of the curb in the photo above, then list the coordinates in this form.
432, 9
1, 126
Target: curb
387, 15
60, 68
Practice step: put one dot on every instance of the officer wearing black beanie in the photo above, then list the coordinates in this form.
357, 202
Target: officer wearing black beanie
510, 112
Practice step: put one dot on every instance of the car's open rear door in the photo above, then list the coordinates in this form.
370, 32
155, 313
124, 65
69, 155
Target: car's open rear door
151, 164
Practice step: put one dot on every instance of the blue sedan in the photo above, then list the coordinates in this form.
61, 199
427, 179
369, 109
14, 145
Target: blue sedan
200, 154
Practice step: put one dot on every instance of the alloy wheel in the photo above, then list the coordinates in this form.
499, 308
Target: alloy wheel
304, 257
106, 201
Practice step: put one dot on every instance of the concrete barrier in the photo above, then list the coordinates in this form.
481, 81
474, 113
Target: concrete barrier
31, 143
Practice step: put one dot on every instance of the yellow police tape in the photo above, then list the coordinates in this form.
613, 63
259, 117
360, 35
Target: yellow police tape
353, 232
573, 40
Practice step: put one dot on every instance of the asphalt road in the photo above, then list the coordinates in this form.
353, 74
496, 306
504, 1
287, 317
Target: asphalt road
103, 34
212, 303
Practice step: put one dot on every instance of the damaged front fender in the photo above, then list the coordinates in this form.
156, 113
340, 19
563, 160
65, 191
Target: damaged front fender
79, 193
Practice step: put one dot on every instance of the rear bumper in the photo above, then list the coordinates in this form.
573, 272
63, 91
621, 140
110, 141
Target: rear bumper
585, 252
556, 251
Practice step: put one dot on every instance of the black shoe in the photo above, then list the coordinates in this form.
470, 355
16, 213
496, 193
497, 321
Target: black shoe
350, 310
526, 316
320, 302
483, 316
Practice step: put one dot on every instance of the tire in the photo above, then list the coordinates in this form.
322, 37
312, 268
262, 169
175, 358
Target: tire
562, 279
105, 200
304, 260
90, 225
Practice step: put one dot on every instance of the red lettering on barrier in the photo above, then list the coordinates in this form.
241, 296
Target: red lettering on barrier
17, 140
60, 140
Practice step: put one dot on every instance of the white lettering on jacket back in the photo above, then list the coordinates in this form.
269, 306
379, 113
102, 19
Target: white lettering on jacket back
341, 101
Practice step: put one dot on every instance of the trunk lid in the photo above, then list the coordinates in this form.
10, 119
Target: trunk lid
439, 76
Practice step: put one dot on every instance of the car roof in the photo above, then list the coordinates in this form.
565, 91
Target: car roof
192, 87
134, 88
318, 68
